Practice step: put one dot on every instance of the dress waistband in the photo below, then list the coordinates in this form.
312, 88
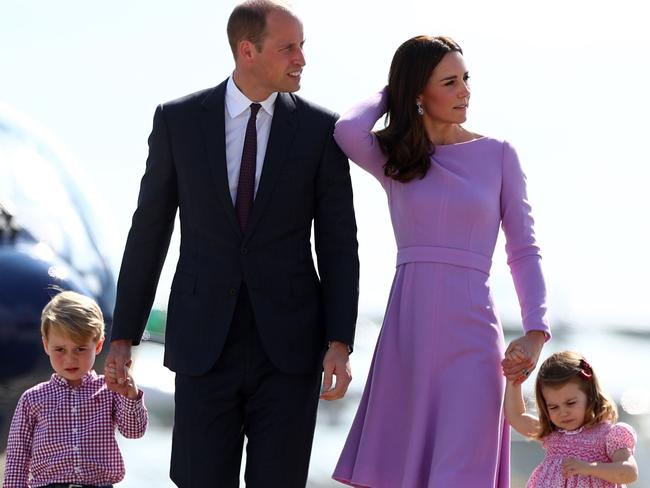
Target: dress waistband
447, 255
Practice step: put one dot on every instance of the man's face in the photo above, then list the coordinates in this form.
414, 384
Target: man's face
278, 66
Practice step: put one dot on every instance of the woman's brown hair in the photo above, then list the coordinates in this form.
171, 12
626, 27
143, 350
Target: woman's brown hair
404, 140
565, 367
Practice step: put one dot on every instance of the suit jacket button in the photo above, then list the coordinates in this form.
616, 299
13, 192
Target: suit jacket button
244, 251
233, 291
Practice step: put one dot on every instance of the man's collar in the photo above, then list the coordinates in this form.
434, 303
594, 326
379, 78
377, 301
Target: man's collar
237, 102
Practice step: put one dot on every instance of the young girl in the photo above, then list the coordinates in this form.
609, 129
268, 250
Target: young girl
584, 446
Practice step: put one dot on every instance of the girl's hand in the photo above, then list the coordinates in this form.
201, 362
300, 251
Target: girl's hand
521, 356
571, 467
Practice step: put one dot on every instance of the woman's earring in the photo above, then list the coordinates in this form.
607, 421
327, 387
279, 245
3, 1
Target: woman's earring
420, 110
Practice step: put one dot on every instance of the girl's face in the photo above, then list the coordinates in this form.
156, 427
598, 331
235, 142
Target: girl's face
69, 359
445, 98
566, 405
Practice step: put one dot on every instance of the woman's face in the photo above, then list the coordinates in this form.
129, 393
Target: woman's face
445, 98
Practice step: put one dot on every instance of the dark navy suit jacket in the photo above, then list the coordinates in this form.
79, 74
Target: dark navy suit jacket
305, 179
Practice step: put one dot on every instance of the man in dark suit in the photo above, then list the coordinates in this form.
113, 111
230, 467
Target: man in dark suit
251, 326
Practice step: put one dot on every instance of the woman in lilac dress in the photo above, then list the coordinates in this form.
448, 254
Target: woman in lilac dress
431, 414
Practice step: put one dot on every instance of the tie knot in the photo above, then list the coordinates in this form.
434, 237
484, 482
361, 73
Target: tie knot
255, 107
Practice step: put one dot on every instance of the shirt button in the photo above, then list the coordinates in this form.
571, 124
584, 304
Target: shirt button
74, 409
77, 469
75, 448
74, 431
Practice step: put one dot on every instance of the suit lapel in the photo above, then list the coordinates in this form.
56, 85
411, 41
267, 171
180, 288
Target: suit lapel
214, 133
283, 129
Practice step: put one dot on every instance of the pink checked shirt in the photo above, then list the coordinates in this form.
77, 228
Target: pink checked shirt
61, 434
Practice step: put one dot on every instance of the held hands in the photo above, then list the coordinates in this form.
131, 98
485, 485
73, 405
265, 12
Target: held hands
127, 389
116, 369
336, 363
521, 356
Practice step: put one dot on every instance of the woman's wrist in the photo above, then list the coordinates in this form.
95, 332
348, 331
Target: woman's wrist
539, 335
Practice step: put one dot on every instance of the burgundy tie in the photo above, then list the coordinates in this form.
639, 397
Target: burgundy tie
246, 184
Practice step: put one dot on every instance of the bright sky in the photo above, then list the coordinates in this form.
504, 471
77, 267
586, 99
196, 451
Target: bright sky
565, 82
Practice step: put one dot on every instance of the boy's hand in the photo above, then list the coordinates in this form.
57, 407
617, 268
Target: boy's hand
117, 364
128, 388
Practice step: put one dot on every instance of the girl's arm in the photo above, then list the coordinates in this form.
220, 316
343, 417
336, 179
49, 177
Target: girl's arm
619, 444
622, 469
515, 408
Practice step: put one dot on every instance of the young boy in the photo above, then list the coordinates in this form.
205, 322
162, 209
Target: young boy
63, 430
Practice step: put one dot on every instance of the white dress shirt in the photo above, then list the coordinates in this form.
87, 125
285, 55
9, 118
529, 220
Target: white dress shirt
237, 112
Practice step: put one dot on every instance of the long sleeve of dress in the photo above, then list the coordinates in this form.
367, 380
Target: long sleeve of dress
353, 133
19, 446
521, 247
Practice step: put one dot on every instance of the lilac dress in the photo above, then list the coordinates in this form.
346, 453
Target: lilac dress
594, 444
431, 413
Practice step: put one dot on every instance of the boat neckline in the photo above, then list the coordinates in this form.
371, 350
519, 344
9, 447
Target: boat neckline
461, 143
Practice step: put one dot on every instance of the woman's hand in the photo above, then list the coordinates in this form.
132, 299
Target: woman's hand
521, 356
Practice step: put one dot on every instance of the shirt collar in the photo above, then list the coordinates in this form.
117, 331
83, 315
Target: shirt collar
237, 102
87, 378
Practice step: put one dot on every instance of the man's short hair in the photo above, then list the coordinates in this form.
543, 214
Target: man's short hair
77, 316
248, 22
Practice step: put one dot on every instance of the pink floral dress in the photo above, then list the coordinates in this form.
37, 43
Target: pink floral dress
593, 444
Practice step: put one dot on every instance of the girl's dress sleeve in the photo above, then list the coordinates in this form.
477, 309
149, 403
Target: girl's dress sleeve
523, 252
353, 133
621, 436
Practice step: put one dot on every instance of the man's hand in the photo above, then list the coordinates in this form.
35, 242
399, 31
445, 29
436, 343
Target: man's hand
117, 365
336, 363
521, 356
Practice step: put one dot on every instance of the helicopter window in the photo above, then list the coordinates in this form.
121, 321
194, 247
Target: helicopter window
36, 189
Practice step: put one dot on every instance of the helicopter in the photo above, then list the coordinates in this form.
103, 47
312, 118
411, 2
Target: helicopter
50, 240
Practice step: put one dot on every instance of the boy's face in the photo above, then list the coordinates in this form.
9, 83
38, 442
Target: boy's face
69, 359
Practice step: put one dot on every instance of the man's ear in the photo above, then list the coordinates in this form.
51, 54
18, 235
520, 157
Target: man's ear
245, 51
99, 346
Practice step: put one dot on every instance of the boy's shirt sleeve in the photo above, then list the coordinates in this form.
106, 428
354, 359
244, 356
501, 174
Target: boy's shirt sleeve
130, 415
19, 445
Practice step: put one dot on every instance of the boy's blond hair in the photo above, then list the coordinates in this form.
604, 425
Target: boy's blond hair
77, 316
